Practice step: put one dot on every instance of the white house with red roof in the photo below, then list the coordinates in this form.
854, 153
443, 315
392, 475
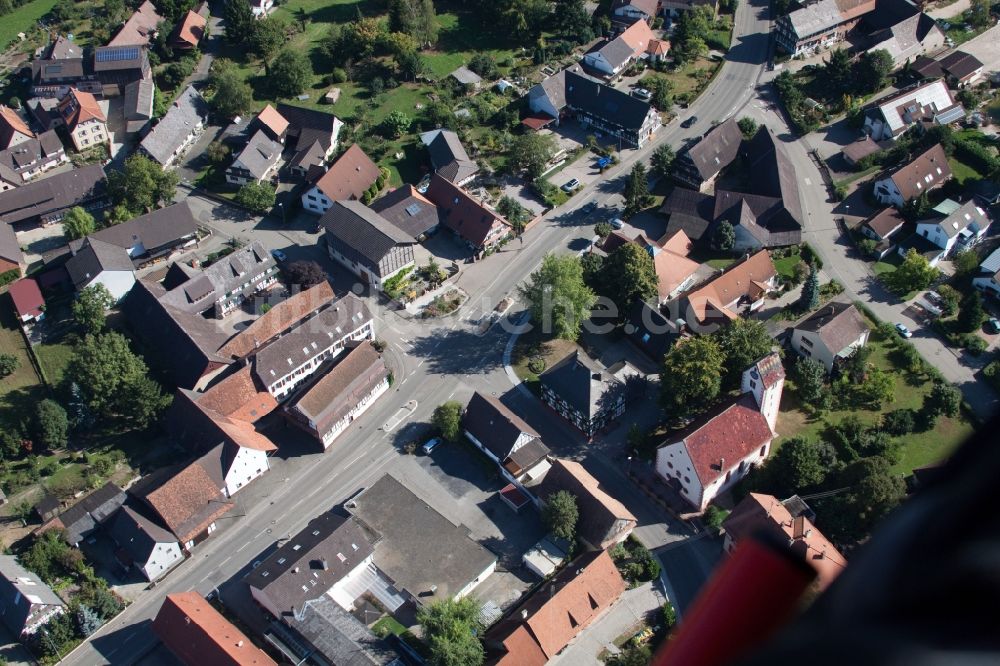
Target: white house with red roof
718, 450
28, 301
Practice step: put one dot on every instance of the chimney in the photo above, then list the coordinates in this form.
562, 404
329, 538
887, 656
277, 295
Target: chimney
295, 570
798, 527
524, 613
324, 565
722, 464
239, 643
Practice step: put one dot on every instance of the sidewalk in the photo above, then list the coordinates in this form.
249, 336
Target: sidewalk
633, 608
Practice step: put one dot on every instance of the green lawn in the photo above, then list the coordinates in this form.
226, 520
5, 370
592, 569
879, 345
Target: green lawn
686, 79
54, 358
23, 19
918, 448
721, 264
786, 265
963, 171
12, 342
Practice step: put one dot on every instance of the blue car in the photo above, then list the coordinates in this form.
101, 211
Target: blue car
603, 162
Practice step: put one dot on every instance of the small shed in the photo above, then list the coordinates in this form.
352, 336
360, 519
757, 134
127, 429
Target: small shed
331, 96
48, 507
466, 77
544, 557
28, 301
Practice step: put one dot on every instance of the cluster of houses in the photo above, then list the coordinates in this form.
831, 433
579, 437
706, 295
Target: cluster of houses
899, 27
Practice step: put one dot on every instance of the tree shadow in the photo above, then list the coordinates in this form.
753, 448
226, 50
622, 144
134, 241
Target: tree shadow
458, 351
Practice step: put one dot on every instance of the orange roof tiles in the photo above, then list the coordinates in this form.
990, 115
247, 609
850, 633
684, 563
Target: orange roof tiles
638, 36
188, 502
348, 177
198, 634
192, 28
139, 28
759, 512
744, 279
78, 107
238, 396
658, 47
279, 318
273, 120
11, 122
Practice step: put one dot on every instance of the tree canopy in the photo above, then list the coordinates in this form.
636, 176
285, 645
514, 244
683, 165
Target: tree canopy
662, 160
532, 152
231, 95
743, 342
794, 467
305, 273
51, 424
636, 191
447, 419
692, 376
560, 514
628, 275
258, 197
415, 18
450, 627
913, 274
290, 73
78, 223
558, 297
91, 306
141, 186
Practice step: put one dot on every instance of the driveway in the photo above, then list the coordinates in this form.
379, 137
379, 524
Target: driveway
986, 47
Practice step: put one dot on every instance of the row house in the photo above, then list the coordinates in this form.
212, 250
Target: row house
366, 243
505, 439
347, 179
29, 159
144, 546
923, 173
177, 129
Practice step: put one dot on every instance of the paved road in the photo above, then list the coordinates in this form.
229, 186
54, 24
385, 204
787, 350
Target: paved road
431, 364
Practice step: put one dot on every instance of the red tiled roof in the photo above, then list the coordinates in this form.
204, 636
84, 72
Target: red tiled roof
559, 610
462, 214
736, 282
139, 28
638, 36
279, 318
759, 512
188, 502
511, 493
348, 177
274, 121
238, 396
731, 435
536, 122
198, 634
27, 297
78, 107
192, 28
11, 122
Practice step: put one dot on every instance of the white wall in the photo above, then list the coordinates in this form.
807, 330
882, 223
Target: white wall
478, 579
118, 283
163, 558
366, 402
319, 202
342, 591
364, 331
683, 470
540, 103
246, 466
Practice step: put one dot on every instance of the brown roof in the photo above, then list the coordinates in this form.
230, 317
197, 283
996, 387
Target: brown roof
860, 149
837, 324
139, 28
188, 502
961, 65
348, 177
238, 397
885, 222
638, 36
462, 214
726, 437
649, 7
494, 425
274, 121
11, 123
341, 389
192, 28
559, 610
658, 47
198, 634
743, 279
599, 512
714, 152
759, 512
279, 318
924, 172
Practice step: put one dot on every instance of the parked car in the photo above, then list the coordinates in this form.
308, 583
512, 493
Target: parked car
431, 444
571, 185
993, 325
903, 331
690, 122
935, 298
278, 255
642, 94
603, 162
618, 223
589, 207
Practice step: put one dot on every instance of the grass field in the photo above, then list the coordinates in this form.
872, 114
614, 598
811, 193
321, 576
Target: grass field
54, 358
918, 448
12, 342
786, 265
963, 171
23, 19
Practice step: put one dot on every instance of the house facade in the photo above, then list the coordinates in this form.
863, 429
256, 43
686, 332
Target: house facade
987, 280
819, 25
143, 545
178, 129
257, 162
366, 243
922, 102
29, 159
29, 305
924, 173
505, 439
84, 119
831, 334
480, 227
327, 407
584, 394
717, 451
347, 179
26, 603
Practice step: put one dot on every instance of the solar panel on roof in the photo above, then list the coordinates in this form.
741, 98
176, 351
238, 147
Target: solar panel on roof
117, 54
413, 208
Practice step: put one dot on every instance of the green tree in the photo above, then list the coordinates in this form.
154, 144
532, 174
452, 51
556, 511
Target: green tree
748, 126
942, 400
8, 364
692, 376
965, 263
113, 380
232, 96
873, 69
878, 388
971, 314
662, 160
628, 275
450, 628
447, 419
51, 424
837, 70
560, 514
87, 621
217, 152
856, 365
415, 18
290, 73
809, 299
724, 236
396, 124
258, 197
874, 491
979, 13
572, 21
714, 516
558, 297
411, 65
809, 376
91, 306
514, 213
141, 186
267, 36
592, 264
485, 65
636, 191
239, 21
743, 342
795, 466
532, 152
78, 223
661, 91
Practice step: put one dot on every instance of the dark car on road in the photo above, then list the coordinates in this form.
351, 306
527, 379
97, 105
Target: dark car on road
690, 122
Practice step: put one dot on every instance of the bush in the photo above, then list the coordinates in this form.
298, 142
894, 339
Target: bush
899, 422
974, 344
537, 365
992, 374
338, 75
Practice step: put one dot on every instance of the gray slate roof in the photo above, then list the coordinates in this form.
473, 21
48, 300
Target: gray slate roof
138, 104
408, 210
259, 156
93, 258
55, 193
714, 152
10, 249
836, 324
592, 96
582, 384
617, 52
137, 535
420, 548
355, 225
339, 637
466, 76
318, 557
448, 155
20, 589
305, 128
184, 115
161, 228
493, 424
295, 348
227, 274
82, 518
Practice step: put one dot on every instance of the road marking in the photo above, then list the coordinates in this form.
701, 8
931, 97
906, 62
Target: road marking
130, 637
807, 181
243, 546
225, 560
